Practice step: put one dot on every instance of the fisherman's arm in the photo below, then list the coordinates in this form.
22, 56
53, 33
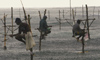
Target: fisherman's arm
19, 32
11, 35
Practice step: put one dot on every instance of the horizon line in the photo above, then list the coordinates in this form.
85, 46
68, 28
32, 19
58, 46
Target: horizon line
49, 7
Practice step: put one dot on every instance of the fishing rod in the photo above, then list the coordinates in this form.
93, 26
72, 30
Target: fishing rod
24, 11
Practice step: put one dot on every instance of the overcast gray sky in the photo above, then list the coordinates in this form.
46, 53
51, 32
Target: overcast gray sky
47, 3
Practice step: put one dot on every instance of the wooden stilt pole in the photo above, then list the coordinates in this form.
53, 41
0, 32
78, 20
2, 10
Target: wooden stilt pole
40, 31
29, 21
59, 21
75, 12
39, 15
83, 45
5, 32
45, 12
82, 11
87, 21
40, 34
12, 18
93, 11
98, 14
19, 13
70, 9
63, 14
40, 41
87, 29
73, 17
49, 15
31, 50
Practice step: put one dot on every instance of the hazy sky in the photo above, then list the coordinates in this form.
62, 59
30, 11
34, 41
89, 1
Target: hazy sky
47, 3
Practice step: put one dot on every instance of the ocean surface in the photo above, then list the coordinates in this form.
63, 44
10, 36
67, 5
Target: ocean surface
59, 45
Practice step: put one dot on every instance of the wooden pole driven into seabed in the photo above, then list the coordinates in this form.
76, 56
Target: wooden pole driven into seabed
82, 11
39, 14
45, 12
93, 11
31, 50
29, 21
83, 44
63, 14
98, 14
40, 41
87, 20
48, 15
26, 20
40, 33
70, 9
59, 21
87, 29
12, 18
5, 32
73, 16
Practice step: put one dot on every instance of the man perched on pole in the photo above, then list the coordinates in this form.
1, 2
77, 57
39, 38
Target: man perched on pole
77, 30
44, 28
24, 34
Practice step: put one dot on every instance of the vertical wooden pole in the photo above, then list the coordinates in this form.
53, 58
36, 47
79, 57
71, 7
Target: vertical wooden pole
70, 9
59, 14
83, 44
45, 12
40, 41
73, 17
12, 18
5, 32
82, 11
87, 21
19, 13
40, 33
63, 13
98, 14
31, 50
29, 21
93, 11
59, 21
75, 12
39, 14
49, 15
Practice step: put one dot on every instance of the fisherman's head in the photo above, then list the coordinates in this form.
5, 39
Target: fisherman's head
18, 21
78, 21
44, 17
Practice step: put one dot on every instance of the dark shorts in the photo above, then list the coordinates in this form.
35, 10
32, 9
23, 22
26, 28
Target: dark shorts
81, 32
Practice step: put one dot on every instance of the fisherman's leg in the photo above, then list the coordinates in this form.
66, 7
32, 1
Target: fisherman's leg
48, 32
31, 51
79, 36
82, 33
73, 33
20, 38
42, 35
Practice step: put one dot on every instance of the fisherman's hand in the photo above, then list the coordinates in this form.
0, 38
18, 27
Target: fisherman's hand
50, 26
11, 35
